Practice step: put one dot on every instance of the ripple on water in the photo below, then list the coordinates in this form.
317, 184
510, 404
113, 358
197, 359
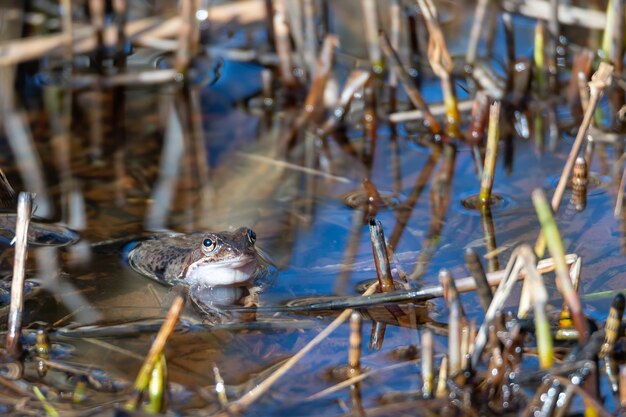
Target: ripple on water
470, 203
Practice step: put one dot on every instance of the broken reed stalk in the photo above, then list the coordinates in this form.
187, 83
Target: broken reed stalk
493, 136
283, 43
354, 344
477, 27
516, 263
143, 377
395, 14
381, 259
409, 87
456, 319
475, 268
14, 325
255, 393
427, 364
555, 246
370, 16
599, 81
377, 335
442, 65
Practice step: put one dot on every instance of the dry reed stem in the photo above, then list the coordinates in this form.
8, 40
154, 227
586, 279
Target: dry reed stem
414, 94
599, 81
442, 65
442, 390
356, 379
472, 261
381, 259
14, 325
395, 14
477, 27
517, 262
283, 47
255, 393
370, 17
427, 369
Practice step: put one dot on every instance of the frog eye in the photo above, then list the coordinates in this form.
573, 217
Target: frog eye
251, 236
208, 244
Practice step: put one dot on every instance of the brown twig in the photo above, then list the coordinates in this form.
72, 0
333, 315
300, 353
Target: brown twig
600, 80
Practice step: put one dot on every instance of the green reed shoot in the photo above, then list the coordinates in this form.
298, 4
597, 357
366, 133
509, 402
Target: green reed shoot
555, 246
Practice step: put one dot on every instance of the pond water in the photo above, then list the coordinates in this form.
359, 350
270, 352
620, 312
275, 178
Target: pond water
149, 160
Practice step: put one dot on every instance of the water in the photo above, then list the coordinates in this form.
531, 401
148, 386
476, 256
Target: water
211, 165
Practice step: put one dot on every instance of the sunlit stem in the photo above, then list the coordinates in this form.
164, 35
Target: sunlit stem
427, 364
157, 386
539, 56
493, 136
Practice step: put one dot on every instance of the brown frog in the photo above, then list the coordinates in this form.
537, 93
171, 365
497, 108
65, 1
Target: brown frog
200, 259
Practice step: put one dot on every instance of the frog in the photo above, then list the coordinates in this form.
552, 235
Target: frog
209, 259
